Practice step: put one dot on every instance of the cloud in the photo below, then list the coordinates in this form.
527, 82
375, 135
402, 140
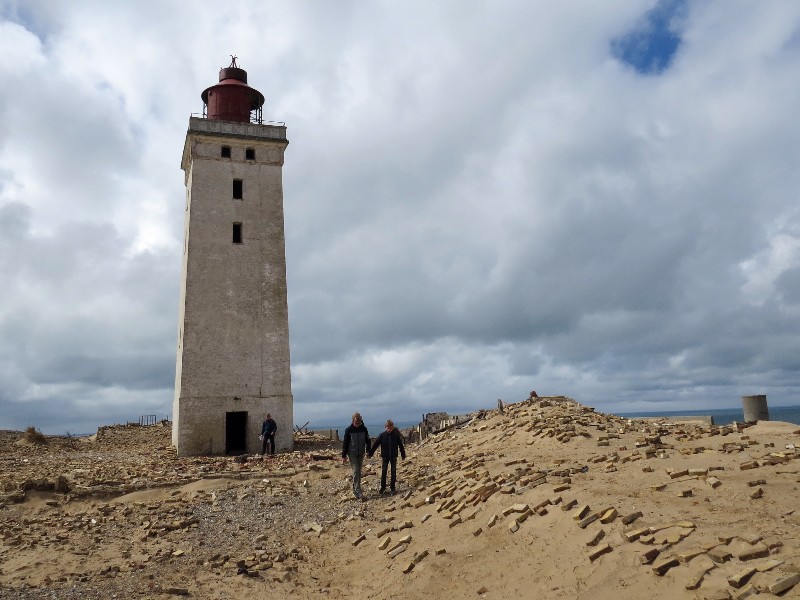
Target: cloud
480, 200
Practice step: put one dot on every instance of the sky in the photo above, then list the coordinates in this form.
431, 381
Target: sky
590, 199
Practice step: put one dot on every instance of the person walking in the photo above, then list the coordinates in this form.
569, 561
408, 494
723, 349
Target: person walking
268, 430
354, 446
390, 442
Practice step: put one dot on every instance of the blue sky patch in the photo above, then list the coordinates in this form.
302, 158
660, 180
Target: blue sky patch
651, 45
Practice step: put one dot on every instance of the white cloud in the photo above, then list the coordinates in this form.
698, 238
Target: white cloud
480, 201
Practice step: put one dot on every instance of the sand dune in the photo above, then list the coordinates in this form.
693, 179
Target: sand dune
548, 499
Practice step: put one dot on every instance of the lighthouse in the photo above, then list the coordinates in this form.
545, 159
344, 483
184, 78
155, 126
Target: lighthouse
233, 332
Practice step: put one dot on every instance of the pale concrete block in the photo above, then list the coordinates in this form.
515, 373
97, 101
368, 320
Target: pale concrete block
569, 505
746, 592
738, 579
604, 549
661, 567
628, 519
418, 558
720, 554
586, 521
768, 565
581, 512
757, 551
781, 585
595, 539
635, 534
687, 555
649, 556
609, 515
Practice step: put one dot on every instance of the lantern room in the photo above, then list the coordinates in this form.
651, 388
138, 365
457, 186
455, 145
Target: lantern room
232, 99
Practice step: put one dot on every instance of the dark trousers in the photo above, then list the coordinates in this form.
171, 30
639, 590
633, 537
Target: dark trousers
384, 467
268, 439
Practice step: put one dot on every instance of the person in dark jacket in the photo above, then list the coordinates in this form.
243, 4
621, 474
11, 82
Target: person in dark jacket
268, 429
354, 447
390, 442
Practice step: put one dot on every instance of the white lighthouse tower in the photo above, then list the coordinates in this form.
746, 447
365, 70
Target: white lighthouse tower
233, 340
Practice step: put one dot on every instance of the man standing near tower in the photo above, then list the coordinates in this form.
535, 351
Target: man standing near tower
268, 429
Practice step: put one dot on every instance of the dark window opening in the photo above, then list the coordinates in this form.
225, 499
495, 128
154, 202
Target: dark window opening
237, 233
237, 189
226, 152
250, 154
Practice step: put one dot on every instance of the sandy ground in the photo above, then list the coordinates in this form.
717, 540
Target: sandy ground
548, 499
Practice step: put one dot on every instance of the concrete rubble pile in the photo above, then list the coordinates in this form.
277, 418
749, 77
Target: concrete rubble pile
688, 509
474, 492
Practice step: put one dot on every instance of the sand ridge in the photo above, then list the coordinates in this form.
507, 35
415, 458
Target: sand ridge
548, 499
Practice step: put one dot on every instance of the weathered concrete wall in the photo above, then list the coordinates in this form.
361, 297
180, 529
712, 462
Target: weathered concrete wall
203, 429
755, 408
233, 346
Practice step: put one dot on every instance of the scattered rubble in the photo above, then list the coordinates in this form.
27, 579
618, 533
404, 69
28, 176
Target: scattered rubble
680, 508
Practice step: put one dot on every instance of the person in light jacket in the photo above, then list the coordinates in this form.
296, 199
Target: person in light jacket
354, 446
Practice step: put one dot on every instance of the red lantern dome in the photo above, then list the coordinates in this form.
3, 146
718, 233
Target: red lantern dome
232, 99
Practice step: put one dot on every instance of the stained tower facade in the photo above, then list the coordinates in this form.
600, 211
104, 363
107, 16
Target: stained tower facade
233, 339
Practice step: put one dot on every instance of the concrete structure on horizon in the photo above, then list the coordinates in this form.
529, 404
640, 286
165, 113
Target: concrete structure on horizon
233, 339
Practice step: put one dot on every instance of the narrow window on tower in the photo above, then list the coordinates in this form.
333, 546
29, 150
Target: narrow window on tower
226, 152
237, 233
250, 154
237, 189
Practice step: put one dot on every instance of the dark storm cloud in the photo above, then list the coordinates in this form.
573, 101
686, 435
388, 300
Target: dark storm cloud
83, 321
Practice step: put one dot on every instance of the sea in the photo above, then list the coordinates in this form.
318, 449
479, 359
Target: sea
725, 416
373, 428
722, 416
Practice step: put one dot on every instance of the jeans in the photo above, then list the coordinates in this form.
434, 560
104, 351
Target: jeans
356, 460
384, 468
268, 439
